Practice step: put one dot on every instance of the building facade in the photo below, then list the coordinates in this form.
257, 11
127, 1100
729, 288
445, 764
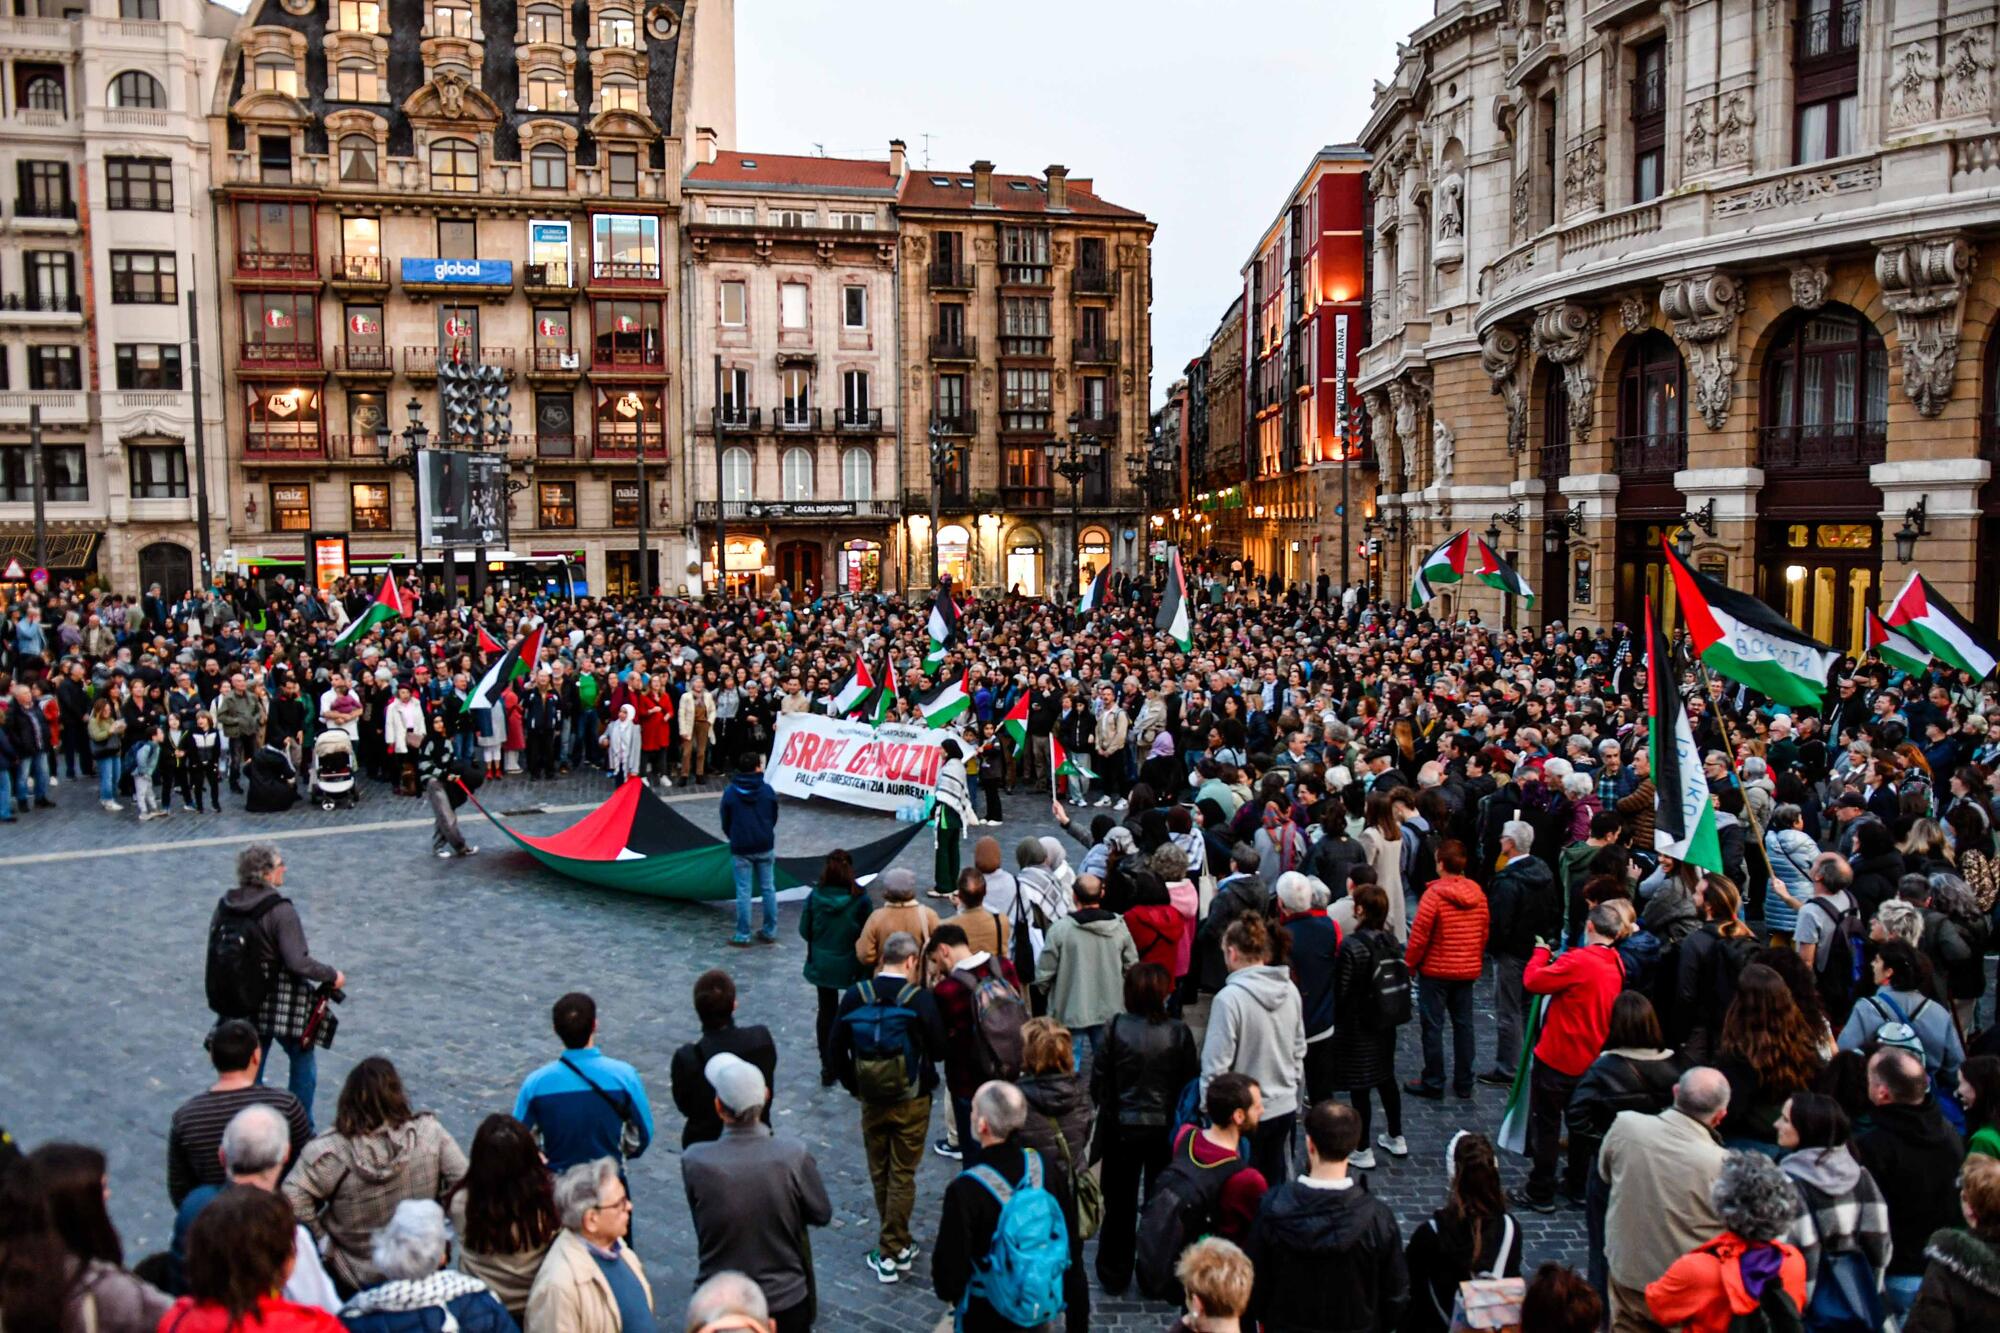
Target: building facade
1211, 517
790, 283
404, 185
1025, 318
1305, 321
1720, 266
103, 131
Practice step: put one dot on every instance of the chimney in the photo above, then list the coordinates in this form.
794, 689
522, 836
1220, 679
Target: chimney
704, 145
897, 150
1058, 189
982, 184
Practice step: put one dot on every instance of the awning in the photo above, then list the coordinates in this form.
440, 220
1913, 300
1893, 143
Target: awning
69, 547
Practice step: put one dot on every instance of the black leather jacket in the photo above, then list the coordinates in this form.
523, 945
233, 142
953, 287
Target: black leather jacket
1140, 1070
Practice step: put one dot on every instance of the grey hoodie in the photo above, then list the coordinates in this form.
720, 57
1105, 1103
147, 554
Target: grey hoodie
1256, 1028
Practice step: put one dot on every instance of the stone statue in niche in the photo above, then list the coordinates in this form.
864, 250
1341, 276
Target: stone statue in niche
1553, 26
1450, 207
1443, 451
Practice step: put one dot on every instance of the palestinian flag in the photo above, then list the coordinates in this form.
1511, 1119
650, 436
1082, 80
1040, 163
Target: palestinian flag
390, 604
1894, 648
1446, 564
1174, 616
1935, 625
1063, 764
1099, 590
945, 704
943, 624
1014, 726
1497, 573
1747, 641
1513, 1135
875, 706
847, 695
513, 664
488, 645
1683, 814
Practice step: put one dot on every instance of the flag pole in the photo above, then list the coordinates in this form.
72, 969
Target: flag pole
1729, 753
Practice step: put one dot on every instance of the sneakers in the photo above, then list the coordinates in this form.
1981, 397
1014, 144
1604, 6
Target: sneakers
946, 1148
113, 806
1118, 804
1393, 1144
443, 853
1101, 802
1497, 1079
739, 942
905, 1257
1362, 1159
468, 850
1520, 1198
883, 1267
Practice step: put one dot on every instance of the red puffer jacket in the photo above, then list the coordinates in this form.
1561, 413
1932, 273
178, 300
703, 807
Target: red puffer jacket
1448, 938
1156, 930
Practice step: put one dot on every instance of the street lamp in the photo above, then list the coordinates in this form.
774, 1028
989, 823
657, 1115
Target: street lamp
1073, 458
1916, 523
1704, 518
1558, 525
943, 450
415, 436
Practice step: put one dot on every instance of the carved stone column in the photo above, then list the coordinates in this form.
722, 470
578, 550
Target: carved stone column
1564, 332
1500, 357
1703, 310
1924, 284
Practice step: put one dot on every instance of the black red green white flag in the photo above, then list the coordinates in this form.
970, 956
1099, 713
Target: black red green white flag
391, 603
1922, 614
1495, 572
1895, 648
947, 701
516, 662
1100, 588
847, 695
1683, 813
1447, 563
1063, 764
1014, 726
1745, 640
942, 625
1176, 616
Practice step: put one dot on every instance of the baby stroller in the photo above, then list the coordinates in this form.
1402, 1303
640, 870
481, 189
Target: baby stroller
333, 770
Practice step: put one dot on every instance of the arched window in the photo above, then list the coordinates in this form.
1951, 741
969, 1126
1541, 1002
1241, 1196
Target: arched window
797, 478
44, 93
357, 81
454, 166
274, 74
548, 90
619, 94
134, 88
614, 28
735, 474
548, 167
1826, 392
857, 475
543, 23
954, 544
357, 159
1652, 407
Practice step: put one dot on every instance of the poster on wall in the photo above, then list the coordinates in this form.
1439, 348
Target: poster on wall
461, 498
329, 561
877, 768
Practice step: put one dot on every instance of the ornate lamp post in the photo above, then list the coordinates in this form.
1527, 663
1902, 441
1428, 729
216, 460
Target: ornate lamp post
943, 450
1074, 457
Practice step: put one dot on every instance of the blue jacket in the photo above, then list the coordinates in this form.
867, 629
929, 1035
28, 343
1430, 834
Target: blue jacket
750, 815
577, 1124
421, 1306
1315, 966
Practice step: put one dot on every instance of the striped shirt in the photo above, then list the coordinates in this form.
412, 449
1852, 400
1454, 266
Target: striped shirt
194, 1143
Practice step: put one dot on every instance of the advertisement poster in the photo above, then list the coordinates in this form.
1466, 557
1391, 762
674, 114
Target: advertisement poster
878, 768
329, 561
461, 498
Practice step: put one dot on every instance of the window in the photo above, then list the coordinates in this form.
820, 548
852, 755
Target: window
1826, 64
556, 507
279, 326
951, 325
43, 93
452, 20
157, 471
454, 166
139, 183
615, 28
357, 81
1024, 255
281, 420
622, 170
854, 395
625, 503
548, 167
735, 312
274, 74
555, 425
951, 396
148, 365
144, 277
544, 23
368, 422
857, 475
548, 90
795, 217
45, 189
1026, 400
54, 368
625, 247
66, 479
1094, 398
458, 238
357, 159
1826, 392
1093, 328
628, 418
1652, 408
1649, 120
139, 9
359, 16
792, 305
854, 307
854, 221
730, 217
735, 393
51, 279
274, 234
291, 507
619, 93
628, 333
368, 502
735, 473
796, 476
135, 88
1024, 326
362, 328
795, 389
274, 159
458, 333
361, 247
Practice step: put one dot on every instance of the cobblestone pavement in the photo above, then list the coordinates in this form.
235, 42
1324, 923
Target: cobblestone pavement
451, 967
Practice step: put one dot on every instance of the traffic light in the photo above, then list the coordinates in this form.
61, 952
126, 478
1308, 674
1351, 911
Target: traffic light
494, 407
458, 402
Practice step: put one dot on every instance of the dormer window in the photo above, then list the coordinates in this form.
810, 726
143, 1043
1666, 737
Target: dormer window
357, 159
548, 90
451, 21
615, 28
274, 74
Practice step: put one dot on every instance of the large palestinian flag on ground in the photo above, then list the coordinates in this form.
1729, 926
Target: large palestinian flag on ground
1446, 564
1745, 640
1176, 616
511, 665
637, 842
1495, 572
1936, 626
391, 603
1683, 814
1895, 648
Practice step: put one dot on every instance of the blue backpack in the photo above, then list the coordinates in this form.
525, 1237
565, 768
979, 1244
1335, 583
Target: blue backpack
1022, 1278
885, 1059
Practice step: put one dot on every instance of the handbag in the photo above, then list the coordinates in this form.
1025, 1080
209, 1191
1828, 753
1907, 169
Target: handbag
631, 1134
1084, 1184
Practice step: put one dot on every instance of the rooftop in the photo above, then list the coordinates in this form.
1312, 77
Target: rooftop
949, 189
777, 171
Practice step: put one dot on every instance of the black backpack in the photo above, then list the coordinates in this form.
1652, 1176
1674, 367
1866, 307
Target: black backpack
1388, 985
237, 975
1186, 1199
1840, 960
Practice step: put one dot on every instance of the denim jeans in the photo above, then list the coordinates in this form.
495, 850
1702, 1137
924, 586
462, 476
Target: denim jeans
464, 747
33, 775
303, 1076
108, 767
1438, 999
766, 865
7, 792
1086, 1041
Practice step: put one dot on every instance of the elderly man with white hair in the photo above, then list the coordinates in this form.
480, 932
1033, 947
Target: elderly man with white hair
1315, 962
1525, 905
256, 1144
418, 1294
729, 1302
591, 1281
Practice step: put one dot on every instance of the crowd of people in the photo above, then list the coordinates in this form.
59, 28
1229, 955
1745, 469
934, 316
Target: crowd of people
1167, 1027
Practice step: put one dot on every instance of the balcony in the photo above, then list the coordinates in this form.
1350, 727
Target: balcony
796, 420
1103, 426
377, 448
551, 279
622, 271
965, 422
1094, 351
420, 363
285, 447
1027, 497
561, 446
40, 307
1831, 35
954, 347
858, 420
555, 362
624, 445
357, 272
807, 511
1027, 275
1094, 282
1845, 445
627, 360
946, 276
270, 264
58, 406
1553, 460
1651, 455
737, 420
354, 359
29, 209
1649, 94
253, 356
1037, 345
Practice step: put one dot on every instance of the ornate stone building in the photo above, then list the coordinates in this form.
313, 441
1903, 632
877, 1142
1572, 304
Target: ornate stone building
1725, 265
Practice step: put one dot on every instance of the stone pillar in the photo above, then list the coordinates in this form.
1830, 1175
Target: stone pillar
1948, 556
1735, 491
1565, 332
1597, 492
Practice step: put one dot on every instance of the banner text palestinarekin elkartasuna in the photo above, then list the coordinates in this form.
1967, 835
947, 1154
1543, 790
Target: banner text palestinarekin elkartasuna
881, 768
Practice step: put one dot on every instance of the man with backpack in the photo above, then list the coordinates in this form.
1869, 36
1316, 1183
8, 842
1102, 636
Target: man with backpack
259, 967
1208, 1187
1082, 968
983, 1007
584, 1105
1523, 905
887, 1039
1582, 985
1830, 936
1004, 1260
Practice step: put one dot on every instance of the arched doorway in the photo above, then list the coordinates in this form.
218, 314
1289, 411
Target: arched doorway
169, 565
1093, 552
799, 566
954, 546
1023, 573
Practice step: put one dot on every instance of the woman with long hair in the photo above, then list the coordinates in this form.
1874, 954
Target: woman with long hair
240, 1249
1972, 848
834, 915
1382, 841
1471, 1236
1768, 1052
1712, 957
1146, 1059
61, 1262
1843, 1230
1803, 983
504, 1211
1363, 1059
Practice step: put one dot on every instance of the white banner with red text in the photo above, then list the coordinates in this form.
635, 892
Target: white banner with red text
881, 768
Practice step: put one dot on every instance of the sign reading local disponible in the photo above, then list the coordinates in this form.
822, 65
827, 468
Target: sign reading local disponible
880, 768
464, 272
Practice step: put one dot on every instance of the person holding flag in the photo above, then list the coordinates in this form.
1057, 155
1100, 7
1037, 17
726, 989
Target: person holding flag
391, 603
1176, 616
942, 625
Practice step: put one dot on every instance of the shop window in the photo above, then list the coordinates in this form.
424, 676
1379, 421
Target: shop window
369, 505
291, 507
557, 504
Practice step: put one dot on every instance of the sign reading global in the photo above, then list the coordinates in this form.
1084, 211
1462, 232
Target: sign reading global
471, 272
